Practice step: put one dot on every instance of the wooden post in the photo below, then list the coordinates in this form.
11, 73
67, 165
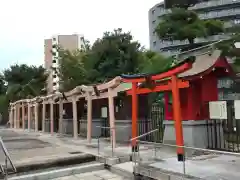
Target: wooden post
75, 124
112, 117
36, 116
43, 115
29, 116
11, 117
134, 115
177, 118
51, 118
18, 116
23, 116
15, 117
60, 116
89, 117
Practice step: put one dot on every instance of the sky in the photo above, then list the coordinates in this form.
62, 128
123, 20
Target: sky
26, 23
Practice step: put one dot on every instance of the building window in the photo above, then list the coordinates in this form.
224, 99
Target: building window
54, 84
54, 61
54, 76
153, 11
54, 39
153, 22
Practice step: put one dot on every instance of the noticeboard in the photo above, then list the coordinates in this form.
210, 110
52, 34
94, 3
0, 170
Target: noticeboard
218, 109
104, 113
237, 109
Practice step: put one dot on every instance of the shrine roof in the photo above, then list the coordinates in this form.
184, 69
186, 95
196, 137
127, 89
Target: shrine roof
202, 63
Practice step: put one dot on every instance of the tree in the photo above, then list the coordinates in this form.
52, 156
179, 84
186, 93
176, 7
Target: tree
115, 53
71, 69
2, 85
152, 62
23, 80
182, 24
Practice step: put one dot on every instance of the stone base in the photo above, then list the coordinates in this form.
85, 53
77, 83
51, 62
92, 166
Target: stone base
26, 124
196, 134
47, 125
67, 126
123, 130
96, 131
32, 124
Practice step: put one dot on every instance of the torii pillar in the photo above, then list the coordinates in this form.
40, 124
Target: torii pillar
18, 115
36, 116
11, 117
23, 116
15, 116
75, 124
29, 116
60, 116
112, 116
51, 117
89, 116
43, 115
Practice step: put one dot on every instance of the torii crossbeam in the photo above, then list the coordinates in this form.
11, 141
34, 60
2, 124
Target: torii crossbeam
168, 82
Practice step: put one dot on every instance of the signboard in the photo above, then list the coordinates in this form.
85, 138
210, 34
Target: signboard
237, 109
104, 113
218, 109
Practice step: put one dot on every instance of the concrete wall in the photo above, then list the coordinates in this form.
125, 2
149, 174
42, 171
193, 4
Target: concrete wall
195, 133
47, 125
67, 126
123, 130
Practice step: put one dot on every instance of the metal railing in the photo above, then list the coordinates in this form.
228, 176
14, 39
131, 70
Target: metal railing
136, 158
108, 138
3, 168
201, 155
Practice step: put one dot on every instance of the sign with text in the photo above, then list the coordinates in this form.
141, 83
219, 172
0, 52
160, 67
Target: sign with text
104, 112
218, 109
237, 109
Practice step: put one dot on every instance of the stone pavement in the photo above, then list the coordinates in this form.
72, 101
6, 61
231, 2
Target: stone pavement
96, 175
26, 150
211, 166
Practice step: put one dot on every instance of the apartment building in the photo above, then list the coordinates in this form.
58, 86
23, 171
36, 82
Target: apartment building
69, 42
226, 10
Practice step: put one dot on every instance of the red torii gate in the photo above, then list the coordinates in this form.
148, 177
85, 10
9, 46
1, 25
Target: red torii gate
168, 82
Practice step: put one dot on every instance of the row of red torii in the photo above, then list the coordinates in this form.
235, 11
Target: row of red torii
109, 89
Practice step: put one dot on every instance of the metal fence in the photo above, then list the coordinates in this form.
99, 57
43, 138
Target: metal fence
224, 134
154, 120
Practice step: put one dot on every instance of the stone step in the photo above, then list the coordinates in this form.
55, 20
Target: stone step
61, 172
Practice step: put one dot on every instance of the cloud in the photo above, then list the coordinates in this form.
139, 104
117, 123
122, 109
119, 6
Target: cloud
25, 23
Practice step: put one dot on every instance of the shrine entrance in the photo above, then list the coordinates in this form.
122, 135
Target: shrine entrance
164, 81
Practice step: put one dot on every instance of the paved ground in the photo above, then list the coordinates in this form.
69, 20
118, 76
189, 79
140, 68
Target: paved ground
97, 175
28, 150
36, 146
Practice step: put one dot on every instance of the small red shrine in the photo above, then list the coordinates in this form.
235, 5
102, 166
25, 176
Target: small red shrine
192, 84
203, 78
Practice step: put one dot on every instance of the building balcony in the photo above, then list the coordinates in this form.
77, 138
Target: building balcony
208, 15
212, 4
165, 44
220, 14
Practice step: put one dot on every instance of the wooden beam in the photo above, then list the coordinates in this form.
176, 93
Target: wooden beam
163, 75
167, 87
